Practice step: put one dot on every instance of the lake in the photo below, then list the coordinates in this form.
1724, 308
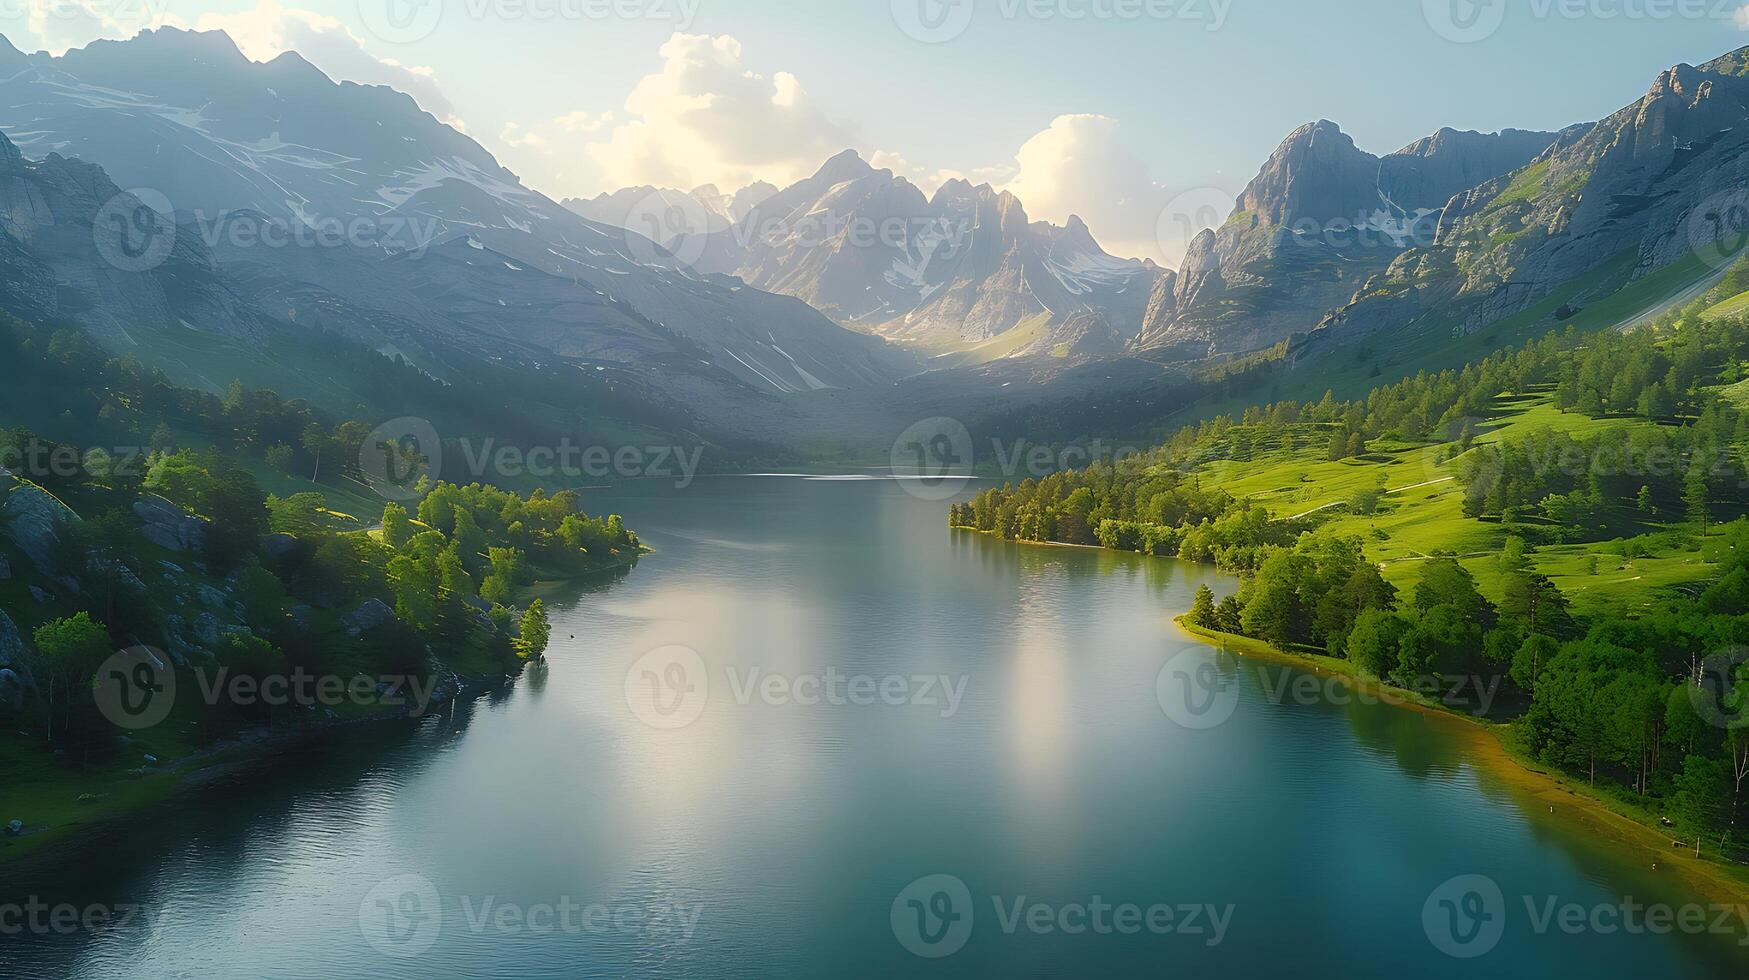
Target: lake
817, 734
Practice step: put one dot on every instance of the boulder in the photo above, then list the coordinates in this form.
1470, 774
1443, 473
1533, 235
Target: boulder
11, 642
277, 545
15, 828
13, 689
5, 569
41, 595
32, 518
368, 616
169, 526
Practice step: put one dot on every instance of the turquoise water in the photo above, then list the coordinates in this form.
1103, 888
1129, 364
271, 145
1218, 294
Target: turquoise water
884, 734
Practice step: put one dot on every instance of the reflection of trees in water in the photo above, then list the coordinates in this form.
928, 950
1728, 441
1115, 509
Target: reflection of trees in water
214, 832
1403, 734
1008, 558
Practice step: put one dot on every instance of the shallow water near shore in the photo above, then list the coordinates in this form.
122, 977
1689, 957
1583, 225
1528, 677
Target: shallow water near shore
818, 734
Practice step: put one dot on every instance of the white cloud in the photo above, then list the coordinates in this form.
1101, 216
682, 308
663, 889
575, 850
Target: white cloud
705, 118
62, 24
1079, 166
269, 29
514, 135
583, 122
1742, 18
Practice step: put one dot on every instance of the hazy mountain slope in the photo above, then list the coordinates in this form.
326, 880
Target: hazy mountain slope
74, 247
1320, 217
940, 273
186, 115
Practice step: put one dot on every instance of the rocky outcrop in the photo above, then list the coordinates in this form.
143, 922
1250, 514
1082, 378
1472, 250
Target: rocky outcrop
33, 519
15, 677
1319, 219
1655, 182
368, 616
169, 526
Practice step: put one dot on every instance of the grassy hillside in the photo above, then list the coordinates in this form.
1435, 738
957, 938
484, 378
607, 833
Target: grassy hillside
1420, 513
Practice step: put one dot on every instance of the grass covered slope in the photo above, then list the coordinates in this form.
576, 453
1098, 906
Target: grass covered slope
1564, 522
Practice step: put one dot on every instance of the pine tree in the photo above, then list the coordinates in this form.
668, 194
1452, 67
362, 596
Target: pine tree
535, 632
1202, 608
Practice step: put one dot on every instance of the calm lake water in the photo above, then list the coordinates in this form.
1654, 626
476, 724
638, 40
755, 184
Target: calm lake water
1087, 793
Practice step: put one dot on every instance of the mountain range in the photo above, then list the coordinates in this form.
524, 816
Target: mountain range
422, 237
963, 275
263, 198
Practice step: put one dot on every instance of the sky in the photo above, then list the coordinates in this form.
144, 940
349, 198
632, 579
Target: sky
1144, 117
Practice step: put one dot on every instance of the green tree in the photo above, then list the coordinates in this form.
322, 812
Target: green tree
71, 649
1697, 496
534, 632
1700, 800
1528, 660
397, 526
1376, 640
1202, 608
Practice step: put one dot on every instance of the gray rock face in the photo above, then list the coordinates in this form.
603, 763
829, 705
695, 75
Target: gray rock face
368, 616
169, 526
32, 518
13, 688
1655, 182
1320, 217
278, 545
11, 642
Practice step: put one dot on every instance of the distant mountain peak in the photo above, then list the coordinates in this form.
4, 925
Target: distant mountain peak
846, 165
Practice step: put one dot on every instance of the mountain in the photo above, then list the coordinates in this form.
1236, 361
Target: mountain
1656, 183
385, 216
1319, 219
964, 275
73, 246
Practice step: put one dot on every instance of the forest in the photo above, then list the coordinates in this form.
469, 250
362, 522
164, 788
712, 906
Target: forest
1450, 504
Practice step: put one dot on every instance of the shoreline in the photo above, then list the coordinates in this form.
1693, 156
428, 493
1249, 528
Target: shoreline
138, 792
1486, 747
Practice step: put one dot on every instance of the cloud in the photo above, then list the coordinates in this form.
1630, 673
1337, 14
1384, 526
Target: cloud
514, 135
705, 118
269, 29
1079, 166
583, 122
63, 24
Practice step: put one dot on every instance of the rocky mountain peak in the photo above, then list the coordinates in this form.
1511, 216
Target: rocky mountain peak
847, 165
1316, 172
